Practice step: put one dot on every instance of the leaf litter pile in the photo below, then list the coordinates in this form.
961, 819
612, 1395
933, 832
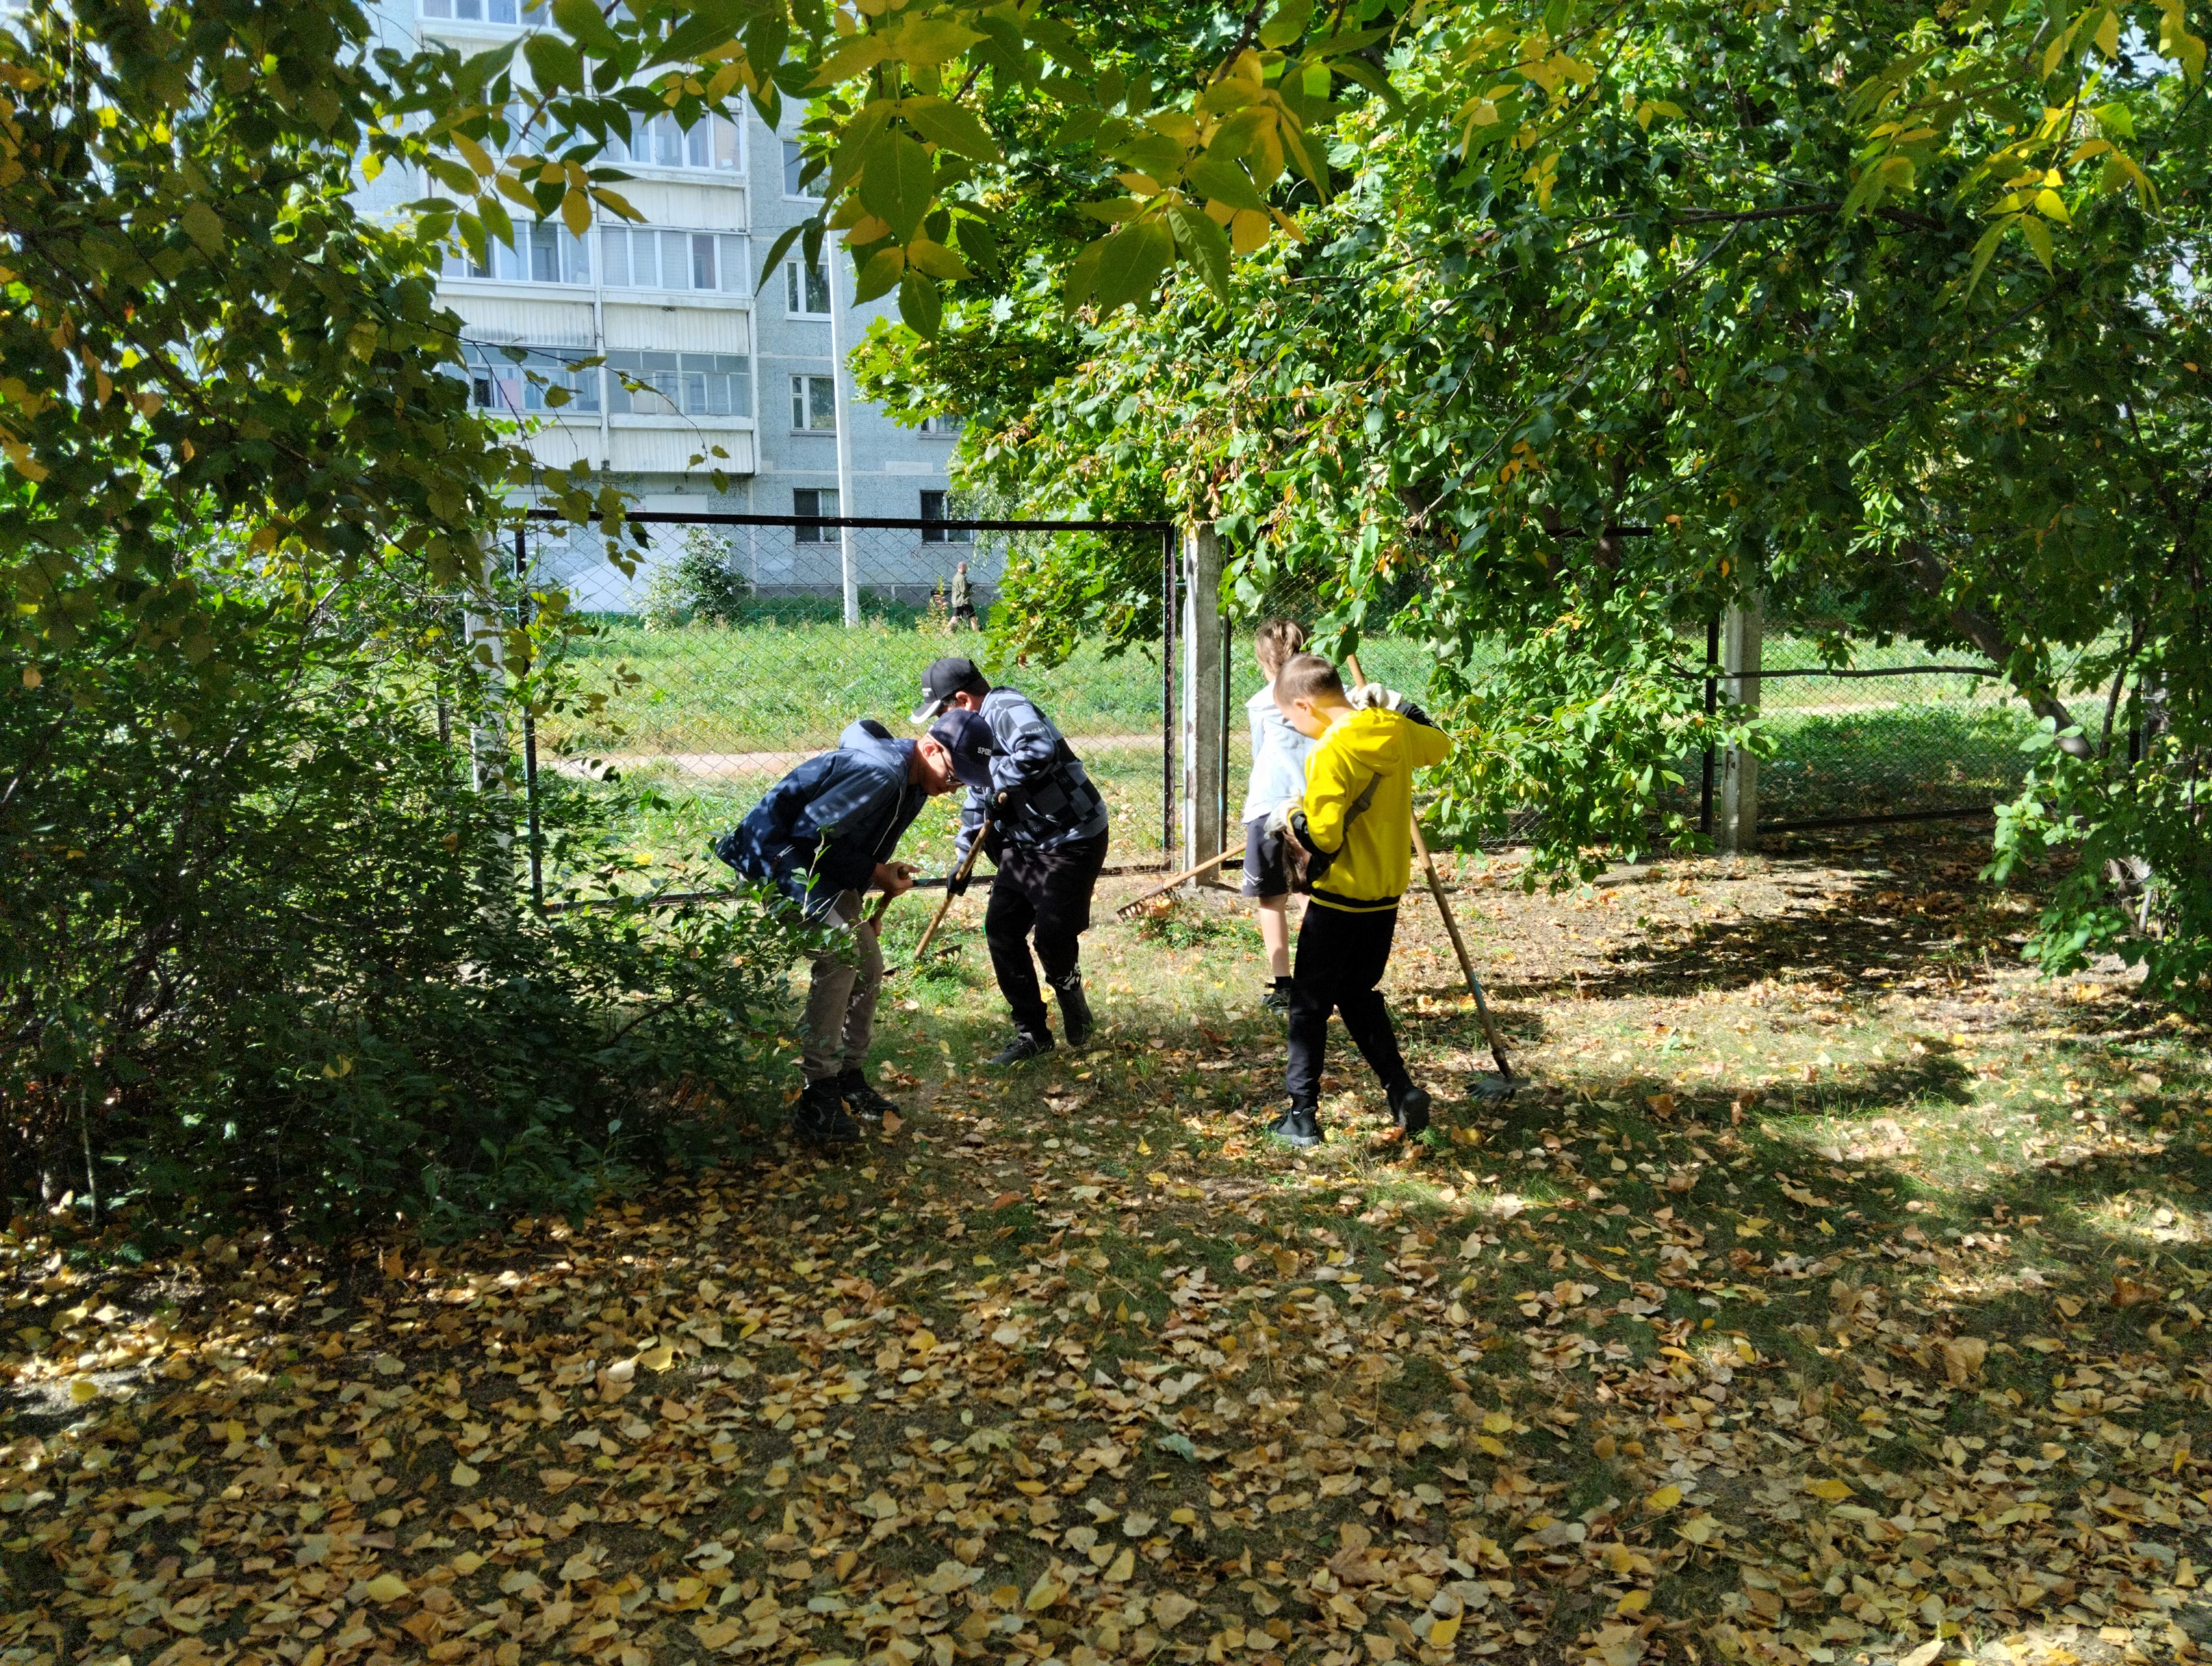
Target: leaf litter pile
1834, 1293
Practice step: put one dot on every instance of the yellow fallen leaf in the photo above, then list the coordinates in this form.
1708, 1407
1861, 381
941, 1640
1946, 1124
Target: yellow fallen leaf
893, 1122
462, 1475
659, 1358
1665, 1499
1497, 1423
1963, 1357
1124, 1565
1833, 1491
387, 1587
1632, 1602
1170, 1609
82, 1390
1043, 1594
466, 1563
922, 1341
1924, 1654
1699, 1530
579, 1566
1143, 1149
1441, 1633
1490, 1445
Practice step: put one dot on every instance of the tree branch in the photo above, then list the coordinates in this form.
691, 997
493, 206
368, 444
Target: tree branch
1985, 633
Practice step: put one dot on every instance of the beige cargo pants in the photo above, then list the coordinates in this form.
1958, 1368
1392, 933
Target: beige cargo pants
841, 1002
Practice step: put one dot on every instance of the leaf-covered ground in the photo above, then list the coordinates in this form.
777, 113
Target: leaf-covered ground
1833, 1293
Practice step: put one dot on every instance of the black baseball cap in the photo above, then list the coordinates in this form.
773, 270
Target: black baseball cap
968, 737
945, 679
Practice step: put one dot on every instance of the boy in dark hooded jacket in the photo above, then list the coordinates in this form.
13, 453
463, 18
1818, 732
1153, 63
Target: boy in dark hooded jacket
823, 835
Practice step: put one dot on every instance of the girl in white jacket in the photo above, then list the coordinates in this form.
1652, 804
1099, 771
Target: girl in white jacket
1278, 776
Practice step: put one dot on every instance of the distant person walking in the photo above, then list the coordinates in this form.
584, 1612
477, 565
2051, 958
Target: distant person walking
963, 600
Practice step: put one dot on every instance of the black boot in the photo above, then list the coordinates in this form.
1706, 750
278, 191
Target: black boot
861, 1099
1026, 1044
1409, 1108
1074, 1010
819, 1118
1299, 1126
1278, 998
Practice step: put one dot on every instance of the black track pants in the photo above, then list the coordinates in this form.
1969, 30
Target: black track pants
1047, 891
1340, 959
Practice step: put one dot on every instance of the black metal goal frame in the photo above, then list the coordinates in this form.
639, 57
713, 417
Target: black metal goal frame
1163, 530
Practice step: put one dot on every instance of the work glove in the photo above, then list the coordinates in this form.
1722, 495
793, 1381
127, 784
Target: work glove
1303, 860
957, 884
1010, 805
1373, 696
1279, 818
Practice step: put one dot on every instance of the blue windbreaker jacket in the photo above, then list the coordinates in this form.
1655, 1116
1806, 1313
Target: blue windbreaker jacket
822, 829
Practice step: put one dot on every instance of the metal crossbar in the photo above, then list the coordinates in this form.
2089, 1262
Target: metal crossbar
726, 648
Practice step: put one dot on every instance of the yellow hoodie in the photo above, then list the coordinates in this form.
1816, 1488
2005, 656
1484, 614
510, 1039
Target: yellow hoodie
1359, 805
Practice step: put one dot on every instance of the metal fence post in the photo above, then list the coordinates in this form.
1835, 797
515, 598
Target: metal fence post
529, 726
1167, 697
1201, 690
483, 638
1738, 790
1712, 692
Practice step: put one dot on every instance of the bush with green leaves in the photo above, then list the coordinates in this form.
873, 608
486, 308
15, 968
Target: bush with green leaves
701, 585
263, 952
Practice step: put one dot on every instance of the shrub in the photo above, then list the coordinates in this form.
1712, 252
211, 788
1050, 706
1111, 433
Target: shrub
702, 584
261, 951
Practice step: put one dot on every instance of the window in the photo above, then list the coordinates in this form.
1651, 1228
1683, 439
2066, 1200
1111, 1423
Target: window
814, 501
542, 252
632, 258
934, 508
515, 379
659, 142
482, 11
814, 404
679, 385
794, 164
943, 427
805, 295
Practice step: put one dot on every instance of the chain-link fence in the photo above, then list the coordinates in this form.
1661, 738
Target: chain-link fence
1895, 732
734, 647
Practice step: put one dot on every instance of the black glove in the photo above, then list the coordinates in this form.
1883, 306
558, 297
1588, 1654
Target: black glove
1305, 860
1415, 713
1011, 804
957, 884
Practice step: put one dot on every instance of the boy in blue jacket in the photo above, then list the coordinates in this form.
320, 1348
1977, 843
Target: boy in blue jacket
823, 835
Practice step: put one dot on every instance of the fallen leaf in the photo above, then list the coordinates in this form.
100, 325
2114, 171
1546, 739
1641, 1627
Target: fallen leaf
387, 1587
1664, 1499
1962, 1358
461, 1475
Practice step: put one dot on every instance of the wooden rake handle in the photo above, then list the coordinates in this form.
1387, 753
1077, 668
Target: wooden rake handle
938, 918
1451, 923
1135, 905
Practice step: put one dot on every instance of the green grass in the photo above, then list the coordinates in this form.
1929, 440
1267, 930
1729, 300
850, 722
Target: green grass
793, 688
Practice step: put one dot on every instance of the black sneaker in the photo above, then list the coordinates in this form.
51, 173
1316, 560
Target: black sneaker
819, 1118
861, 1099
1278, 998
1409, 1108
1297, 1127
1023, 1046
1074, 1010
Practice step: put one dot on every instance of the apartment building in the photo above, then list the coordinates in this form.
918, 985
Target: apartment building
704, 352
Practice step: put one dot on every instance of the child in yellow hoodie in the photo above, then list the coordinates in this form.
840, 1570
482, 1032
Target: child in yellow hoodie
1354, 829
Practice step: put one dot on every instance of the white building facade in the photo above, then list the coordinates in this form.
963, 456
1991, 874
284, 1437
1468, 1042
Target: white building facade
705, 353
